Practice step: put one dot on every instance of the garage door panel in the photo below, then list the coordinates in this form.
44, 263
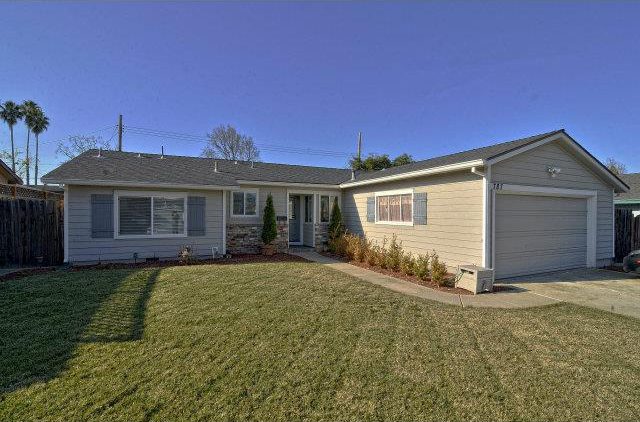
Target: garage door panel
541, 242
538, 234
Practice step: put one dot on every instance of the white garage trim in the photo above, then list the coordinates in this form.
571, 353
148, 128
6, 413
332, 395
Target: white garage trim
592, 211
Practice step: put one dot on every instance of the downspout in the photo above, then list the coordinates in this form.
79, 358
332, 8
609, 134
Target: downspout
487, 231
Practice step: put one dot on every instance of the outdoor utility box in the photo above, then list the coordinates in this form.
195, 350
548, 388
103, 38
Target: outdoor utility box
475, 279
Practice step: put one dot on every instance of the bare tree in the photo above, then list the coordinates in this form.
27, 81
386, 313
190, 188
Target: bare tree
225, 142
76, 145
616, 167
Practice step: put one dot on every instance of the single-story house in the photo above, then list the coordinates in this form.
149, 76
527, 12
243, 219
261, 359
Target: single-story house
8, 176
629, 200
530, 205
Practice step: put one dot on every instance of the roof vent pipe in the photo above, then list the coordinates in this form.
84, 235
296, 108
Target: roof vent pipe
139, 155
353, 175
99, 153
215, 166
252, 164
162, 154
235, 162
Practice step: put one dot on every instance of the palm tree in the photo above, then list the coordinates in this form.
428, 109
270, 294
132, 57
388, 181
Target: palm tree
40, 124
10, 114
29, 111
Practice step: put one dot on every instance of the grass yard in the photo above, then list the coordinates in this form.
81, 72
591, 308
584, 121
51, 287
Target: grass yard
290, 341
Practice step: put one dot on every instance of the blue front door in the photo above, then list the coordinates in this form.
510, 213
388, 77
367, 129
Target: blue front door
294, 219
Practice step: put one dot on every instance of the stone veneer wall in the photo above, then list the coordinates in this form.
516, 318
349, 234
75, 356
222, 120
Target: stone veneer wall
245, 238
321, 235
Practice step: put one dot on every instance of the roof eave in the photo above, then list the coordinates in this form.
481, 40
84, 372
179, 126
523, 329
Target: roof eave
291, 184
125, 184
417, 173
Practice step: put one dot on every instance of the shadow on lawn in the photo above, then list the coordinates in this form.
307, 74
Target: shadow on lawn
43, 319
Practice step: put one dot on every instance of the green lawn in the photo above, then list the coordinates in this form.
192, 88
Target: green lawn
298, 341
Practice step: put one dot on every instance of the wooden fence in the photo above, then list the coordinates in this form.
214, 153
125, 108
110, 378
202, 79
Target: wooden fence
627, 233
31, 232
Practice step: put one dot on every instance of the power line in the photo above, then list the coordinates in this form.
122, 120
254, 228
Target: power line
186, 137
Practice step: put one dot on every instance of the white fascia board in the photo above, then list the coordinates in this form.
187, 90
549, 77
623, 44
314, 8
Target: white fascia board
409, 175
288, 184
141, 185
575, 147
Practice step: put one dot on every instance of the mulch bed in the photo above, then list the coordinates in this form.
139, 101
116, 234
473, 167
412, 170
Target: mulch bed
396, 274
234, 259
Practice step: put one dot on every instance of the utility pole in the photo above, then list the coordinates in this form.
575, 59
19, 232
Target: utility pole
120, 132
359, 145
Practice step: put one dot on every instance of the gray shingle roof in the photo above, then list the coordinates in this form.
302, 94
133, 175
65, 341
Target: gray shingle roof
11, 176
633, 180
483, 153
129, 167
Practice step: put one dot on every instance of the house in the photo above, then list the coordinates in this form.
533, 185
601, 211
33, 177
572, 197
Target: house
630, 200
8, 176
531, 205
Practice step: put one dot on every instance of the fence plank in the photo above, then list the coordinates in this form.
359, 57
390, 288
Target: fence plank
31, 232
627, 229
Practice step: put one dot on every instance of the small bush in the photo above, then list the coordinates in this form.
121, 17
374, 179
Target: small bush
371, 255
361, 251
421, 267
407, 264
351, 245
438, 270
269, 227
382, 254
393, 256
339, 245
336, 227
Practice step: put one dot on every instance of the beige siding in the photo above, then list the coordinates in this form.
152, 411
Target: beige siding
530, 168
84, 248
454, 216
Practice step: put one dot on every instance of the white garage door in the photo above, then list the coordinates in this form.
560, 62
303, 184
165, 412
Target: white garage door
536, 234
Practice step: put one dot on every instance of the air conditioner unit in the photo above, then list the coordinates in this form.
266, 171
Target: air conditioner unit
475, 279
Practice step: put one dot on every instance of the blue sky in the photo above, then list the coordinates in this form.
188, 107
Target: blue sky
424, 78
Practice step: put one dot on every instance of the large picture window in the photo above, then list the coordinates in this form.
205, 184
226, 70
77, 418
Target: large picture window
244, 203
151, 216
396, 208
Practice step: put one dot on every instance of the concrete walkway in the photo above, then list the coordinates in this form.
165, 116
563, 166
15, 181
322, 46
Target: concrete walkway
513, 298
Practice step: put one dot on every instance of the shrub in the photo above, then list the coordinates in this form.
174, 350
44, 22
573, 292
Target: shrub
269, 228
381, 257
438, 270
363, 247
421, 266
336, 227
185, 254
407, 263
350, 245
339, 245
393, 257
372, 254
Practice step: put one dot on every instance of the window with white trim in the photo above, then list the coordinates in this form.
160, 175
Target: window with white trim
326, 204
396, 208
244, 203
142, 215
308, 209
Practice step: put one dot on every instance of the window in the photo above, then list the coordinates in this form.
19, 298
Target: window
326, 202
308, 209
245, 203
396, 208
151, 215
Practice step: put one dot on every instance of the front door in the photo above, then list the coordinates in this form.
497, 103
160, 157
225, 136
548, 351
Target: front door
294, 219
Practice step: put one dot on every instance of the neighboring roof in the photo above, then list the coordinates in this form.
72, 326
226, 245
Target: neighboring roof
9, 174
633, 180
483, 153
130, 168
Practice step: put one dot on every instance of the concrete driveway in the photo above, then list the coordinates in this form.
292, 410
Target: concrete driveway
602, 289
